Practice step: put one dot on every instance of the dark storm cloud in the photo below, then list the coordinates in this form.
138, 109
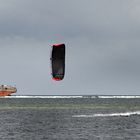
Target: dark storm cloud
92, 19
67, 18
102, 39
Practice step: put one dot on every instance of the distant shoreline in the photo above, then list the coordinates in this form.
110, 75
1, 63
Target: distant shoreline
72, 96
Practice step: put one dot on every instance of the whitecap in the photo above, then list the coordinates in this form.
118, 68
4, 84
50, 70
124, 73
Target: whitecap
107, 115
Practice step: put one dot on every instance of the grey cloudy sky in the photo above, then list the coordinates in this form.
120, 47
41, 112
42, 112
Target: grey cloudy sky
102, 39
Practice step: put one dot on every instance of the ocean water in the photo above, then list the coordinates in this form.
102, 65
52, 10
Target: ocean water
69, 118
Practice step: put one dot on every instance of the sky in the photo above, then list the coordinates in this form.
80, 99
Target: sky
102, 39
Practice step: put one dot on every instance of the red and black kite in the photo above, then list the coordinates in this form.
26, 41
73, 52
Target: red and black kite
58, 61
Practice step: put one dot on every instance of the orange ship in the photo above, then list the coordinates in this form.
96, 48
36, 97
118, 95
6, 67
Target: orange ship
6, 90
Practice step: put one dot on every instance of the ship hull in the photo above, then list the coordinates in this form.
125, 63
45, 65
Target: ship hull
6, 90
5, 93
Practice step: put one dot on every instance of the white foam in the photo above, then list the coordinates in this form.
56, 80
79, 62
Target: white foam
72, 96
107, 115
119, 96
39, 96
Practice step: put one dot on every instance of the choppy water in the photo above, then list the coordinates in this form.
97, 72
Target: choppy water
69, 118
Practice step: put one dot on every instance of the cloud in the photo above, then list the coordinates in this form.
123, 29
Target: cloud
102, 40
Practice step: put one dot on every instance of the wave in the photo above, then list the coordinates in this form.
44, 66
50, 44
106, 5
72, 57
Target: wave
40, 96
68, 96
125, 114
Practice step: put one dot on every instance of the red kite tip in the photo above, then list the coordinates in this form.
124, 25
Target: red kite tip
56, 79
57, 45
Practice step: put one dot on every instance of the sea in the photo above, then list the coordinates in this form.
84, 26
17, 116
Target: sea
70, 118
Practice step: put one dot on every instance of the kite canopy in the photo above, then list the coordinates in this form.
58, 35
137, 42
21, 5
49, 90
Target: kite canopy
58, 61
